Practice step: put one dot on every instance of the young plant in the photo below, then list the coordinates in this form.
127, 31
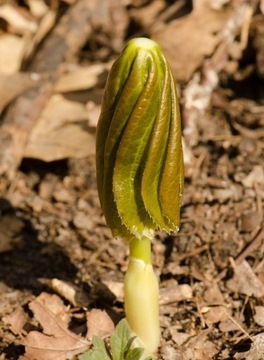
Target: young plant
120, 346
140, 171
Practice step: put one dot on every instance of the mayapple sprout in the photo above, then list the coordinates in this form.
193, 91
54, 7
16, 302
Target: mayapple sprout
140, 172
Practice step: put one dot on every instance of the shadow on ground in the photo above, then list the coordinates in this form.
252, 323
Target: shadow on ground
27, 260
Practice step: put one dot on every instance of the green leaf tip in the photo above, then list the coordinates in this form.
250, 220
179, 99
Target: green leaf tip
139, 156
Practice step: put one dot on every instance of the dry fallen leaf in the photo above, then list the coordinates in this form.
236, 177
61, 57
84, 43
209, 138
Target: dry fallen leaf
259, 315
194, 347
16, 19
213, 4
16, 320
174, 293
38, 8
61, 132
233, 324
99, 324
60, 347
56, 341
255, 176
188, 40
213, 295
50, 306
13, 85
10, 60
178, 337
79, 79
214, 314
245, 281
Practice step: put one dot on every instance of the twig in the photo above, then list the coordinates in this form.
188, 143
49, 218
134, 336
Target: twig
194, 252
239, 326
251, 247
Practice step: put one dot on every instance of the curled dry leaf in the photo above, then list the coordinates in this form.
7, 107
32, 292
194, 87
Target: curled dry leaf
67, 290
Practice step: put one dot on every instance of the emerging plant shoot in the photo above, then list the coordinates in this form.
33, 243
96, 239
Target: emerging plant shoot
140, 171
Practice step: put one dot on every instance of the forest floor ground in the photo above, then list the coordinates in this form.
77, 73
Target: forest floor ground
61, 271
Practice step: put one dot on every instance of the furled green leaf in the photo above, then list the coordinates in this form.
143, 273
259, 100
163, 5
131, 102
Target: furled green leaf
138, 147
